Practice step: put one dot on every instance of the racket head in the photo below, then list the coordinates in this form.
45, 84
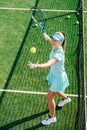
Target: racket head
39, 17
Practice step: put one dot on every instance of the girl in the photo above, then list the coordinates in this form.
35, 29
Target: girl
57, 77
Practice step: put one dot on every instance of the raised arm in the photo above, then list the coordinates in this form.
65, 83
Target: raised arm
47, 38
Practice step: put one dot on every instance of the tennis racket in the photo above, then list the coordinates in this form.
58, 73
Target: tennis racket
39, 17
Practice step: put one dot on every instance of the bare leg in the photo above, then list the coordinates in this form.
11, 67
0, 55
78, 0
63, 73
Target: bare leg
61, 94
51, 103
65, 101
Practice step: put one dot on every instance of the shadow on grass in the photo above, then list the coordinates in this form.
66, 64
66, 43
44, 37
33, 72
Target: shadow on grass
17, 57
26, 119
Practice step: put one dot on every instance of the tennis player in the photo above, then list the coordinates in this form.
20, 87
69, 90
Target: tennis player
57, 77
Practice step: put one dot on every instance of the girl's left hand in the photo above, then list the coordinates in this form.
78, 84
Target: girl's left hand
31, 65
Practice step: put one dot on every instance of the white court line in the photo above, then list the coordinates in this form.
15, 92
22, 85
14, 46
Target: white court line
20, 91
51, 10
31, 92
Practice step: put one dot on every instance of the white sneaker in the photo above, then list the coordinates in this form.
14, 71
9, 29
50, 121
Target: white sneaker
64, 101
49, 120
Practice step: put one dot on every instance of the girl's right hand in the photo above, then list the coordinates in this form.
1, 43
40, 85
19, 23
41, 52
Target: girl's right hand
47, 38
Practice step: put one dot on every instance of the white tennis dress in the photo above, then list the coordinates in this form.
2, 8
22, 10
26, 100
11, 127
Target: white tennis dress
57, 77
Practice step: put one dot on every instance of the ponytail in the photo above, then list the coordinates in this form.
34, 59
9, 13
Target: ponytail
64, 42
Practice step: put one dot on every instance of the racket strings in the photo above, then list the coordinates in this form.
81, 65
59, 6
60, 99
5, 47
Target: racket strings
38, 15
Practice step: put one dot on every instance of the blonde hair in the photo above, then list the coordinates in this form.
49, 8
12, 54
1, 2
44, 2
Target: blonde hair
64, 42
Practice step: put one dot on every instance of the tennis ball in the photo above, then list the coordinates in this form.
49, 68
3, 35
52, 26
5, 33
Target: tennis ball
36, 25
78, 13
77, 22
68, 16
33, 50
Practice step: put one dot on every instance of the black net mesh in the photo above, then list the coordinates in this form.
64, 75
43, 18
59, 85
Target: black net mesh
81, 114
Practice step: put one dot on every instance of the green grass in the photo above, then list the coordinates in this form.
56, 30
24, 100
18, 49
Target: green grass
20, 115
17, 36
13, 26
85, 5
17, 4
42, 4
85, 44
68, 5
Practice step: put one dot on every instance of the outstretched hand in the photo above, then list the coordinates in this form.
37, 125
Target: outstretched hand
31, 65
